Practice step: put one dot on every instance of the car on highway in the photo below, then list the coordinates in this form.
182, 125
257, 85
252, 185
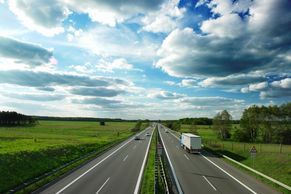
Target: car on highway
147, 134
136, 137
166, 130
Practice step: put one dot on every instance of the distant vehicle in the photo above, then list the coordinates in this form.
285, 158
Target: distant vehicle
191, 143
166, 130
147, 134
136, 137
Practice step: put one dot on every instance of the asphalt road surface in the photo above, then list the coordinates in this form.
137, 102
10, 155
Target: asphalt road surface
116, 171
206, 174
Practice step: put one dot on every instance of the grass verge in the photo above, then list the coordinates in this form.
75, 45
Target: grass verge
148, 180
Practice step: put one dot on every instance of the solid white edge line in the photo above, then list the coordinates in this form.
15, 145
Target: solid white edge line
229, 174
186, 157
209, 183
125, 158
223, 170
138, 183
103, 185
73, 181
171, 165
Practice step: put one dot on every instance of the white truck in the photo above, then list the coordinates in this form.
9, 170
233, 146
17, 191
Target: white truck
191, 143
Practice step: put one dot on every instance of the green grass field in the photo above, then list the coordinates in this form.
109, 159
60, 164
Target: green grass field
271, 159
27, 152
148, 181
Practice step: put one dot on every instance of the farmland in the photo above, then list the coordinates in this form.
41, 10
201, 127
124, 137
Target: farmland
272, 159
27, 152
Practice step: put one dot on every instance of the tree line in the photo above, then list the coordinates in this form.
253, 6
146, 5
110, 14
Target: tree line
8, 118
266, 124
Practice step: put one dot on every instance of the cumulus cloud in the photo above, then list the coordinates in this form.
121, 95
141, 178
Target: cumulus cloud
165, 95
112, 12
275, 89
25, 53
34, 97
46, 79
231, 80
99, 91
230, 43
120, 42
97, 101
45, 17
255, 87
215, 101
164, 20
188, 83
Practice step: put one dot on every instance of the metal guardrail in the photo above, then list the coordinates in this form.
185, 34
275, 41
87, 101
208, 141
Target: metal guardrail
172, 180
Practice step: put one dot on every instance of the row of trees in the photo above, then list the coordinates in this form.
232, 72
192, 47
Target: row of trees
196, 121
267, 124
8, 118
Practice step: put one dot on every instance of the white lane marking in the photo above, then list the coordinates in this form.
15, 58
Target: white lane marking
125, 158
138, 183
171, 165
229, 175
186, 157
134, 146
73, 181
209, 183
103, 185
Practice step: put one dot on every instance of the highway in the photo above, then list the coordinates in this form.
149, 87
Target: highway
206, 174
116, 171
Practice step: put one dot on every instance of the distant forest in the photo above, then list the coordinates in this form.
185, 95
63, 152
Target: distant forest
8, 118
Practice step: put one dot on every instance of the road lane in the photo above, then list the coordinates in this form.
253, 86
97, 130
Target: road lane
199, 175
115, 171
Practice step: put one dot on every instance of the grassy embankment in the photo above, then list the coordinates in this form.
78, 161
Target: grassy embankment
148, 180
28, 152
271, 159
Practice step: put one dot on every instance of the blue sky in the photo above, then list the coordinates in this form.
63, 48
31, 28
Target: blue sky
153, 59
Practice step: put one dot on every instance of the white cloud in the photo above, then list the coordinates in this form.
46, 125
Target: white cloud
188, 83
164, 20
284, 83
170, 83
255, 87
45, 17
117, 42
165, 95
226, 26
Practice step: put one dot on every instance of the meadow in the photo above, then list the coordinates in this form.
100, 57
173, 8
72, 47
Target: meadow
28, 152
271, 159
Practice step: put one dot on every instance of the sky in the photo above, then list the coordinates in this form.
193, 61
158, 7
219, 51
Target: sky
143, 59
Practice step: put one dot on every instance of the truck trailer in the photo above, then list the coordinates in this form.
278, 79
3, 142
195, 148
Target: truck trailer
191, 143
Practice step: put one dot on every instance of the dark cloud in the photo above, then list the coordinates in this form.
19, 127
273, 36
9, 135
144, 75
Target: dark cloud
103, 102
215, 101
100, 91
34, 97
43, 79
231, 80
261, 43
23, 52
